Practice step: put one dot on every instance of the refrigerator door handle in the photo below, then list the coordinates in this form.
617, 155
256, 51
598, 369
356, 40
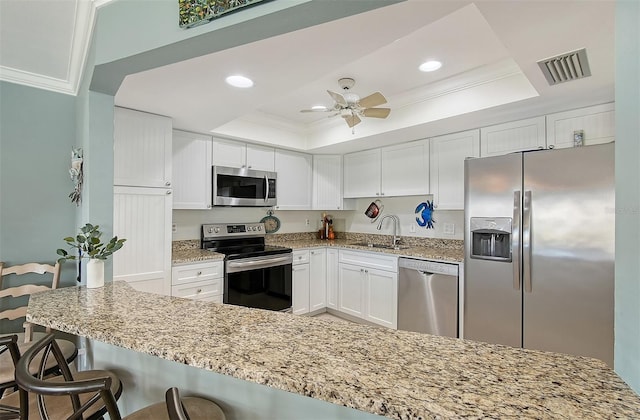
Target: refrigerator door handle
515, 240
526, 241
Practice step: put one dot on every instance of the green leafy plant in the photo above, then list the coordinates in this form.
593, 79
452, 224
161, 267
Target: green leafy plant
89, 244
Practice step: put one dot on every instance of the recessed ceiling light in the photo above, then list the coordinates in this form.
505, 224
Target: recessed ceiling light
239, 81
430, 65
319, 107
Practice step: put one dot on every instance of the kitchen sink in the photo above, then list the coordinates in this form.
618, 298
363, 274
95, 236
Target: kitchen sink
383, 246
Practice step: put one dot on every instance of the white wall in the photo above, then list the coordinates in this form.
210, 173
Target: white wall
188, 221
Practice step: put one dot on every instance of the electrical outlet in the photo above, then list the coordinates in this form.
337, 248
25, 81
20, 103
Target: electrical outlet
306, 222
174, 228
449, 229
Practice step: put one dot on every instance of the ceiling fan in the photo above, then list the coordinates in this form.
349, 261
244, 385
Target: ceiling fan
351, 107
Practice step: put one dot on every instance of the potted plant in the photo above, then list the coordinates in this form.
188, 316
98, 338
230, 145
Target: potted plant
89, 245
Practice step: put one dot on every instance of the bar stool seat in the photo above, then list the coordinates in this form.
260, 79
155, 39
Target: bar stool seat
197, 409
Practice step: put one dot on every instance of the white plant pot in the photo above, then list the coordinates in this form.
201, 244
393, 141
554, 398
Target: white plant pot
95, 273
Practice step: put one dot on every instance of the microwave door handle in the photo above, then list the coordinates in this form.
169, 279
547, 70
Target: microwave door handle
266, 191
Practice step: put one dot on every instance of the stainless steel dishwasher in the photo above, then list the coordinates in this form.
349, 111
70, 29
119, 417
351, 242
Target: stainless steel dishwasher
428, 297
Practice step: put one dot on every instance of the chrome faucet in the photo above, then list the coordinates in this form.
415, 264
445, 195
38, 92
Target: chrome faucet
396, 225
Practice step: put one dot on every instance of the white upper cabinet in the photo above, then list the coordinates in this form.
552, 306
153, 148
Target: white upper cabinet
405, 169
390, 171
327, 184
294, 181
141, 149
237, 154
447, 167
191, 170
511, 137
362, 174
597, 124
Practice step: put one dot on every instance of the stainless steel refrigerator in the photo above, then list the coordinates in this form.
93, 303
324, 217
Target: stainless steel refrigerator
539, 250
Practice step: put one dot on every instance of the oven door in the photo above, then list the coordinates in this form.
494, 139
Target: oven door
242, 187
263, 282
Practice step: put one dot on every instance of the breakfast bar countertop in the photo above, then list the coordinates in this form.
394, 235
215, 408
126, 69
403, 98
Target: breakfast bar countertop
396, 374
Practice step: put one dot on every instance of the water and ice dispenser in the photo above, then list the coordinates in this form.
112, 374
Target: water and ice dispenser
491, 238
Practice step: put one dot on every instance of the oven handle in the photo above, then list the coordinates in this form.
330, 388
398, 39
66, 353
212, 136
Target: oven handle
235, 266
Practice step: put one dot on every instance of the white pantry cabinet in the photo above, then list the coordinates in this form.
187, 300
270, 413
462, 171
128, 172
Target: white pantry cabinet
399, 170
596, 122
368, 287
513, 136
237, 154
332, 278
143, 217
141, 149
447, 157
294, 182
199, 281
191, 170
327, 184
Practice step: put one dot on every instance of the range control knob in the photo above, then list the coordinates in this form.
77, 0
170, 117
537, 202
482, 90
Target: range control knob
216, 230
259, 227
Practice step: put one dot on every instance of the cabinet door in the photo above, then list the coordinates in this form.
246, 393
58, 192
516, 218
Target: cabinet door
327, 184
143, 217
513, 137
141, 149
260, 158
381, 295
351, 290
362, 174
293, 188
447, 155
596, 122
300, 295
228, 153
332, 278
317, 279
405, 169
191, 170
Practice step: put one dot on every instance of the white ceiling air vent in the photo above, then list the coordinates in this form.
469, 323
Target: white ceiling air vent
565, 67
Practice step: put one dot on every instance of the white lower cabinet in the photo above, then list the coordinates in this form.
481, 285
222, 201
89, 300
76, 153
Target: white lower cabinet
201, 281
300, 282
309, 280
332, 278
368, 287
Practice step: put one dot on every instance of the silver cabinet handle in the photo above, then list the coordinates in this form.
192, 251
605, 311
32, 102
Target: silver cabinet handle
168, 183
199, 273
515, 240
199, 291
168, 192
526, 241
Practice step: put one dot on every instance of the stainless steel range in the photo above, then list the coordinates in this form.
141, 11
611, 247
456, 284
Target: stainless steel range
255, 275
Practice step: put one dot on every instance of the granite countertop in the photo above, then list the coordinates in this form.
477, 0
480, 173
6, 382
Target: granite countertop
396, 374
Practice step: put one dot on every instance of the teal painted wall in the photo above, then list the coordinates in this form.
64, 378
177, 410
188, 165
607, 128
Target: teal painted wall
627, 296
37, 131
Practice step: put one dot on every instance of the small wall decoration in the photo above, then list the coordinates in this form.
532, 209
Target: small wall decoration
426, 214
76, 175
197, 12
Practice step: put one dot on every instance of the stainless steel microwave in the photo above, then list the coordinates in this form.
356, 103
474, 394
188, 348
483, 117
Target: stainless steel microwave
242, 187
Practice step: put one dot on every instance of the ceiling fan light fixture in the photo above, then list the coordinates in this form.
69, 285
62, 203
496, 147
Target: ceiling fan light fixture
431, 65
239, 81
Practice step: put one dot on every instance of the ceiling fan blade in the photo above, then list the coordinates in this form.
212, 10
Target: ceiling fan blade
376, 112
352, 120
316, 110
372, 100
338, 98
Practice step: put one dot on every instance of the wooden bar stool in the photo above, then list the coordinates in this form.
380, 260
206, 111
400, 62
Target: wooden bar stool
90, 394
50, 276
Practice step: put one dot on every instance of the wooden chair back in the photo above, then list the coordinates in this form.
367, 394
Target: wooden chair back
26, 289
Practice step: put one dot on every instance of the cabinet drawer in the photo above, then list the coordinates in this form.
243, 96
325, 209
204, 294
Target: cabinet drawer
196, 272
369, 259
201, 290
301, 257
